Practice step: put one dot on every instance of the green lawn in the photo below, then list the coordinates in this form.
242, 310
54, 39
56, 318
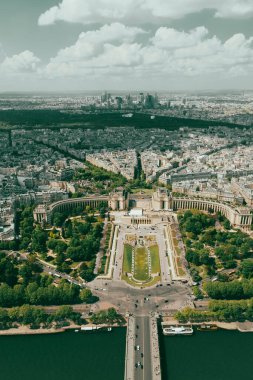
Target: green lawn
127, 261
141, 272
155, 260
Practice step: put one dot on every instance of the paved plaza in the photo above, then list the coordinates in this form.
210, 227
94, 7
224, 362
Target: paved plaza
127, 229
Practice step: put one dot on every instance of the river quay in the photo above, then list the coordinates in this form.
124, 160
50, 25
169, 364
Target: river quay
239, 326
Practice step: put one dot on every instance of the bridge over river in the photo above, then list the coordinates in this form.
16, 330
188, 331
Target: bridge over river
142, 360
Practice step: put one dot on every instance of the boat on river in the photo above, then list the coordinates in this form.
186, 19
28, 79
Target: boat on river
90, 328
96, 328
209, 327
178, 330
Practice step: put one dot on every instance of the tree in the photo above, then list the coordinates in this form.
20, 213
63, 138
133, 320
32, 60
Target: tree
63, 312
197, 292
227, 224
39, 240
60, 247
51, 244
209, 237
87, 296
246, 268
87, 274
59, 218
8, 271
112, 314
245, 249
231, 290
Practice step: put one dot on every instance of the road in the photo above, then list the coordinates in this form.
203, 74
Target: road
140, 302
124, 298
143, 355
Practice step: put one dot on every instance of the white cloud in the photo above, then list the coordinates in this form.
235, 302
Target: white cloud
25, 62
168, 52
97, 49
91, 42
170, 38
90, 11
114, 53
175, 9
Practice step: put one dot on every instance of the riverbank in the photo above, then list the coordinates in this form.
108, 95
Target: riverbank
25, 330
239, 326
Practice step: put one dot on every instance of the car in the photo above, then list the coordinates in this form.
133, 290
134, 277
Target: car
142, 354
138, 348
137, 326
139, 364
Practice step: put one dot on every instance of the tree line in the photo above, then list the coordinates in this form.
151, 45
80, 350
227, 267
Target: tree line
35, 317
223, 311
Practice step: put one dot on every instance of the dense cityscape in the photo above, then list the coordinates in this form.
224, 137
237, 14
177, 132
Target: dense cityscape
87, 207
234, 107
50, 165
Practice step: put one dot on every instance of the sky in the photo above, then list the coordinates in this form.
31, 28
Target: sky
159, 45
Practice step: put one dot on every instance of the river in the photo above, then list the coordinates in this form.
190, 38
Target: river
216, 355
64, 356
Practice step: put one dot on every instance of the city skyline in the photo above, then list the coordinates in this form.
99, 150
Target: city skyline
73, 45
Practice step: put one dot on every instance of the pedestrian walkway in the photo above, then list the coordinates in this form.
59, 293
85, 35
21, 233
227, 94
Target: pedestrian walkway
130, 346
156, 365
